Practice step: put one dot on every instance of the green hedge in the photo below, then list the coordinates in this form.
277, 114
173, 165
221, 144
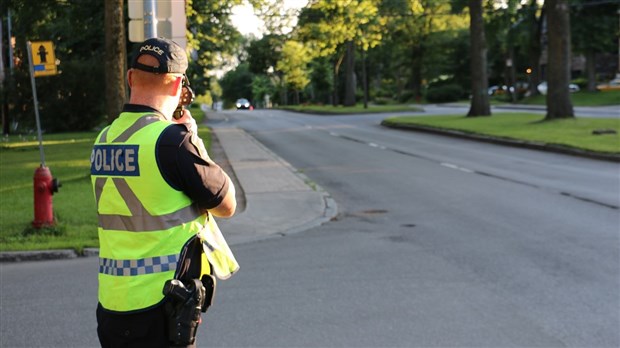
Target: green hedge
444, 93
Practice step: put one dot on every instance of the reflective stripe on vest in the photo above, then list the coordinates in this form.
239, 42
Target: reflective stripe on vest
148, 265
128, 223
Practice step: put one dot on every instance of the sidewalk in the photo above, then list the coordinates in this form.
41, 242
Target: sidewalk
278, 200
275, 199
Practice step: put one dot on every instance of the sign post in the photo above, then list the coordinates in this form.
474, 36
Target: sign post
36, 101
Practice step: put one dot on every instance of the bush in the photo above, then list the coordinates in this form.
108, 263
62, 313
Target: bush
405, 96
444, 93
582, 82
383, 101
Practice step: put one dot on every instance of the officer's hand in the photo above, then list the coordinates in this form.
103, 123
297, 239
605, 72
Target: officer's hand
188, 120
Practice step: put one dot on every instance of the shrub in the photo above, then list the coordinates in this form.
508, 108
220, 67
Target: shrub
444, 94
383, 101
405, 96
582, 82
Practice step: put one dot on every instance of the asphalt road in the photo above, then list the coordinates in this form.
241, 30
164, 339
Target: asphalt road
439, 242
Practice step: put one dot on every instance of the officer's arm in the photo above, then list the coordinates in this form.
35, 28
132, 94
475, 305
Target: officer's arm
229, 204
186, 166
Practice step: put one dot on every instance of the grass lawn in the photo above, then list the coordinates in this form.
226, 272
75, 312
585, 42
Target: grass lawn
68, 158
341, 110
575, 133
581, 98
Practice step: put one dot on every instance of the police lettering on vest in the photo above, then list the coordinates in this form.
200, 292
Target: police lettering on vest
115, 160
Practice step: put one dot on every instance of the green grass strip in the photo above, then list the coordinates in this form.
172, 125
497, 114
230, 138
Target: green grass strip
582, 98
576, 133
343, 110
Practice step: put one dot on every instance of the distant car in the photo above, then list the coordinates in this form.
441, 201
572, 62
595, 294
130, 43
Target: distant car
243, 104
612, 85
542, 88
494, 90
498, 90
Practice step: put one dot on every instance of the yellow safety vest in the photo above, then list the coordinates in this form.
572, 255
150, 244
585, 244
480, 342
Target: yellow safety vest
144, 223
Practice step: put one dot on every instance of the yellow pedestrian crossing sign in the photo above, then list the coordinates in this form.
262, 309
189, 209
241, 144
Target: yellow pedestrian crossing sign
43, 58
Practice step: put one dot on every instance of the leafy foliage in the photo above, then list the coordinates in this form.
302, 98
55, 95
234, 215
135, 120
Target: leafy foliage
294, 64
444, 93
212, 37
72, 100
237, 83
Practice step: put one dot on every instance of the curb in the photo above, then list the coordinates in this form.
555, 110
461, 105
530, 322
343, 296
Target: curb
43, 255
38, 255
506, 141
330, 210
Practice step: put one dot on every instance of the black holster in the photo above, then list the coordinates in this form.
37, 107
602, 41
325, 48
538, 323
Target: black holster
184, 303
187, 296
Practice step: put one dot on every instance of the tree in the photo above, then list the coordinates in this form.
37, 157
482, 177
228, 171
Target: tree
534, 17
479, 80
559, 62
264, 53
262, 88
504, 25
73, 99
115, 58
321, 80
294, 66
420, 29
212, 36
590, 32
237, 83
336, 28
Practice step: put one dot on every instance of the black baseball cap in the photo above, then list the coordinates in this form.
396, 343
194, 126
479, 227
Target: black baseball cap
171, 57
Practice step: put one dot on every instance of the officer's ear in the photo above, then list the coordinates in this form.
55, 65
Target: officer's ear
130, 78
177, 85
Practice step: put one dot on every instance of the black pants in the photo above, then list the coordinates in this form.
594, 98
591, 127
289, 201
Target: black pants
144, 329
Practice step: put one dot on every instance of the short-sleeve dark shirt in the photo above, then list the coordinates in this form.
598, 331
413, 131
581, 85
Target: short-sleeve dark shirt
182, 166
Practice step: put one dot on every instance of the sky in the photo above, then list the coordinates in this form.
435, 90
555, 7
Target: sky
246, 22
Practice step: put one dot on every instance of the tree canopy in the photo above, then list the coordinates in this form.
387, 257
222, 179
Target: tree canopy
329, 51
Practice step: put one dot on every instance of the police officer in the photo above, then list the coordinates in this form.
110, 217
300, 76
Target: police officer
157, 191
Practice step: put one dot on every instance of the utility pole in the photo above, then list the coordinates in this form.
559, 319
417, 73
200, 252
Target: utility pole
150, 21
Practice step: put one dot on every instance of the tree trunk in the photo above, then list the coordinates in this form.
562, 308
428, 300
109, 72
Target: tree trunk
416, 71
349, 68
559, 62
3, 80
115, 56
535, 48
479, 81
284, 94
511, 72
591, 70
364, 79
336, 85
335, 99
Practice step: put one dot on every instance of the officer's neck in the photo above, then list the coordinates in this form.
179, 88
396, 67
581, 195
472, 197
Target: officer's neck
163, 104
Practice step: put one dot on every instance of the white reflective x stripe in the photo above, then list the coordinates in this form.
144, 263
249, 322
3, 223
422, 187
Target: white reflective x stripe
140, 220
147, 265
127, 133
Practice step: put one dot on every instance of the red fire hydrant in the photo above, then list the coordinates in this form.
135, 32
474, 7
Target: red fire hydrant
44, 188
